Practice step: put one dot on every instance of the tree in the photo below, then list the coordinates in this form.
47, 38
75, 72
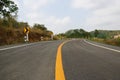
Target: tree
7, 8
22, 25
39, 26
61, 36
87, 35
83, 33
102, 35
96, 33
77, 33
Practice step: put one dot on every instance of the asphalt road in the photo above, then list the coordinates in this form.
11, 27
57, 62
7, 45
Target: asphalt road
31, 62
81, 61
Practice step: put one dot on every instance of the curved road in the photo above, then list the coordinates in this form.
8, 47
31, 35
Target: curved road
81, 61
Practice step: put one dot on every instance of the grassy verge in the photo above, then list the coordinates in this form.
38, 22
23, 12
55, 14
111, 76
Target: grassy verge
115, 42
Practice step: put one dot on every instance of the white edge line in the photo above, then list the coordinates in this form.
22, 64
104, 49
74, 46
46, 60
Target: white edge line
14, 47
102, 46
18, 46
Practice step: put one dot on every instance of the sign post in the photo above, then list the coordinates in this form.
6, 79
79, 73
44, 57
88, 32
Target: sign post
52, 37
27, 37
26, 31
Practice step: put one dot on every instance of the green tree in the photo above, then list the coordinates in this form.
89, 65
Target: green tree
39, 26
102, 35
7, 8
77, 33
61, 36
82, 33
88, 35
96, 33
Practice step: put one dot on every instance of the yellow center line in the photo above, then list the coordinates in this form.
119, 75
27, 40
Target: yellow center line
59, 72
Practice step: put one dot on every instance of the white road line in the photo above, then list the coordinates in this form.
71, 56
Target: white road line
102, 46
14, 47
21, 45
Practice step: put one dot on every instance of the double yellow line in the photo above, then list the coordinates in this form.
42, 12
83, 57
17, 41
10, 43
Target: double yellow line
59, 72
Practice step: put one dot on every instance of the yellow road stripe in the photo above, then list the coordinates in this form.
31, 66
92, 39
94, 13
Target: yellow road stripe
59, 72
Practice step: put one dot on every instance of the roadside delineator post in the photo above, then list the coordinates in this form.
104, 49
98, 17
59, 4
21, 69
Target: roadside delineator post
26, 31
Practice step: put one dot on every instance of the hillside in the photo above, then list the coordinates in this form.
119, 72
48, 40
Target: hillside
12, 32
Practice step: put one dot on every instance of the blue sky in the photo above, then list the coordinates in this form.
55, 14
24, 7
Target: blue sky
62, 15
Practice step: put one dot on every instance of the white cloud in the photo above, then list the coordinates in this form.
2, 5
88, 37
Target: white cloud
82, 4
31, 12
92, 4
42, 18
36, 5
105, 13
59, 22
51, 22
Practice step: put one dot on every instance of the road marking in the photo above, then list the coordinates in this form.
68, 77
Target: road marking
102, 47
22, 45
59, 72
14, 47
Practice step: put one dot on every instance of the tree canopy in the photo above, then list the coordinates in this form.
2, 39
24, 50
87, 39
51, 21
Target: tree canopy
40, 26
77, 33
96, 33
7, 8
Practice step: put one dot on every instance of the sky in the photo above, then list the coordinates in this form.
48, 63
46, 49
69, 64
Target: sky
62, 15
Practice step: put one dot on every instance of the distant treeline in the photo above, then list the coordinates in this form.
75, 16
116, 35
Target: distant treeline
103, 36
81, 33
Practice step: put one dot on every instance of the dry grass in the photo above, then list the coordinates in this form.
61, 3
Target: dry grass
115, 42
